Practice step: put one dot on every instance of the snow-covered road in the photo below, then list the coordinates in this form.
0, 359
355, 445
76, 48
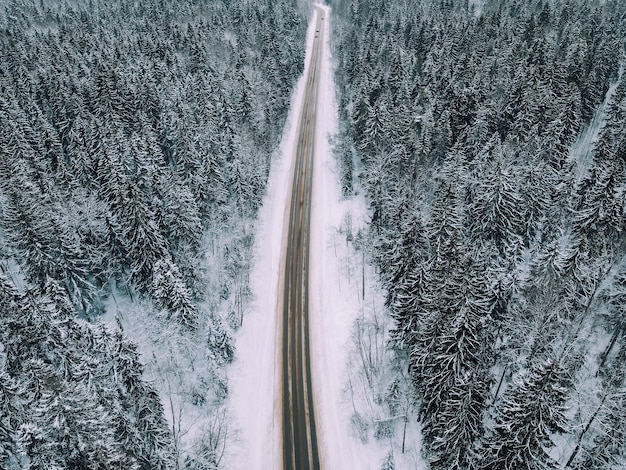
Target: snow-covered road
255, 378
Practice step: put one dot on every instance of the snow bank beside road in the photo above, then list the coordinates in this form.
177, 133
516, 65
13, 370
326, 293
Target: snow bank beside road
255, 376
335, 294
332, 309
337, 298
336, 287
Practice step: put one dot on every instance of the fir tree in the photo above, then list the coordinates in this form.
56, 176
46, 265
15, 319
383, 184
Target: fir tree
532, 410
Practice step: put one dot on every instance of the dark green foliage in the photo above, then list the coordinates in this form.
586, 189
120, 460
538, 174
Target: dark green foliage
490, 146
531, 411
72, 393
130, 134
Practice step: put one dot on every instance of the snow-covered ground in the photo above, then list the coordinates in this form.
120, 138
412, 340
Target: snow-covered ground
582, 150
336, 300
255, 376
334, 293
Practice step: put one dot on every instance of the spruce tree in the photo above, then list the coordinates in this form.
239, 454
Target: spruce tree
532, 410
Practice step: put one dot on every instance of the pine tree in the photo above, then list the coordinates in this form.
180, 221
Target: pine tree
67, 387
171, 293
496, 211
388, 463
460, 423
456, 390
143, 240
531, 411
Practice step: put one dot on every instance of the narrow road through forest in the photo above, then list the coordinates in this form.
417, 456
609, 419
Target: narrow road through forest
299, 432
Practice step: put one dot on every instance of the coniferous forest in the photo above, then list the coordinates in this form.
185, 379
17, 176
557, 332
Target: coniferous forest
132, 134
489, 139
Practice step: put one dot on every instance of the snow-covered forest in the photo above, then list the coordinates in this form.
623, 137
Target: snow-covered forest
135, 144
489, 139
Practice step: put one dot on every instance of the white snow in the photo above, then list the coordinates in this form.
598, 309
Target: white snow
334, 293
336, 286
478, 6
254, 378
582, 150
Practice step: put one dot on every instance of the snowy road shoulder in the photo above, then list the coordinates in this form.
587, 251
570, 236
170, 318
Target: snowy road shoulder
335, 303
335, 291
255, 376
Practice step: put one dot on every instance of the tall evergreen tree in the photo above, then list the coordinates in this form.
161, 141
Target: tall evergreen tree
531, 411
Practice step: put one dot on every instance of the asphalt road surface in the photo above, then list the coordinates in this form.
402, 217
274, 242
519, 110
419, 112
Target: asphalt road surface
299, 433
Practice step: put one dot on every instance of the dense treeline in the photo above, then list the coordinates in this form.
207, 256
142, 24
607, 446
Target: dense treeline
128, 132
491, 146
72, 393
